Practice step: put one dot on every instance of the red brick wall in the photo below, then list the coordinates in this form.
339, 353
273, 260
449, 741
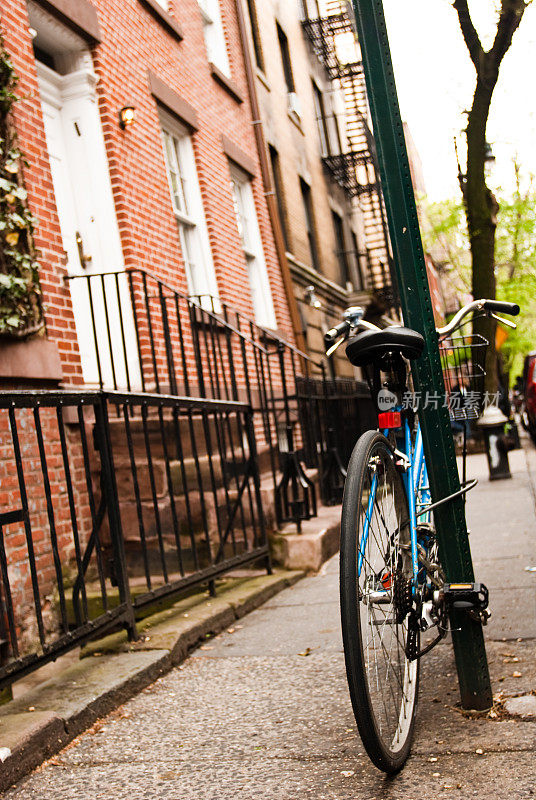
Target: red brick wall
133, 41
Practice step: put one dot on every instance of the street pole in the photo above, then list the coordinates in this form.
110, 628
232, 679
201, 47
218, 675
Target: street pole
410, 268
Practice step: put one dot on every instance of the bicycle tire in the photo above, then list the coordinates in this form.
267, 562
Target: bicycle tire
387, 741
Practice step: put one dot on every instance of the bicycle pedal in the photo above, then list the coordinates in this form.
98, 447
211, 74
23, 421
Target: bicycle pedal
466, 596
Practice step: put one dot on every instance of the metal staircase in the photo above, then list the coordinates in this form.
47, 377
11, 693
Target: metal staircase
354, 166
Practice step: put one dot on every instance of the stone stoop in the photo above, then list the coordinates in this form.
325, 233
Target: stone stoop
308, 550
206, 478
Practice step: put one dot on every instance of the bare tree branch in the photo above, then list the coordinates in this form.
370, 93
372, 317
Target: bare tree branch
509, 19
470, 35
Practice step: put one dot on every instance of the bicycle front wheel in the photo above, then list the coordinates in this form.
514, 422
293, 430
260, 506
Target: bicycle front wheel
375, 582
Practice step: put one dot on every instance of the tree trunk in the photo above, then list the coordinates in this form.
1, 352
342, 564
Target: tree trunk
481, 209
480, 205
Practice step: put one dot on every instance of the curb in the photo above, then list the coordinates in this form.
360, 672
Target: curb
41, 722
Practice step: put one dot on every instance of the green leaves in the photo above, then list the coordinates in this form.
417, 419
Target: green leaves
21, 312
445, 237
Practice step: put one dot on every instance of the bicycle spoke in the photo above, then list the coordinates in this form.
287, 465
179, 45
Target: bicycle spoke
386, 661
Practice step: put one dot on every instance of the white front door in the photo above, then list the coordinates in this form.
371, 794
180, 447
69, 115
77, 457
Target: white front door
89, 229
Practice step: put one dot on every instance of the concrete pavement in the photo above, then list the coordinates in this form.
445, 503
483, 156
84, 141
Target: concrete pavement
262, 710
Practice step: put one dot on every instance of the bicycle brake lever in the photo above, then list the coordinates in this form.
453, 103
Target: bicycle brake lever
334, 346
504, 321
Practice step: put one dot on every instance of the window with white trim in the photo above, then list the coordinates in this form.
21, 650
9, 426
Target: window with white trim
188, 208
214, 35
248, 228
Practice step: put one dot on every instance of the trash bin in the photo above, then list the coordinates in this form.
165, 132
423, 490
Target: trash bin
497, 442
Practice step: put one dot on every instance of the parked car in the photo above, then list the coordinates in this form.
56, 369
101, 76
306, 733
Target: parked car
527, 402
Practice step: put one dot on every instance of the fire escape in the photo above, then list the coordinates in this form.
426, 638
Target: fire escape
354, 167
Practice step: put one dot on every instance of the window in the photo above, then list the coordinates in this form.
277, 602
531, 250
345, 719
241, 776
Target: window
278, 189
259, 58
357, 258
342, 255
321, 121
285, 59
188, 208
309, 223
248, 228
214, 35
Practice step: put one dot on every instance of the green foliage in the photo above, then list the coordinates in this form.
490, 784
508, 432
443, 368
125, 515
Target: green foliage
20, 296
445, 237
445, 230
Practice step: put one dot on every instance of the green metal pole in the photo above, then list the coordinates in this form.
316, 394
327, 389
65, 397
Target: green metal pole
410, 267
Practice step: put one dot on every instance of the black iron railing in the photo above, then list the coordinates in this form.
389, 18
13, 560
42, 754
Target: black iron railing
58, 490
147, 335
188, 490
342, 410
111, 503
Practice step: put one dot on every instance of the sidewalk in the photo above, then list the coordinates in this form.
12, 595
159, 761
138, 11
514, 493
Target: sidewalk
262, 710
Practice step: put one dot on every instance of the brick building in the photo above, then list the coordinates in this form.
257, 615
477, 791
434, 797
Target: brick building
313, 105
162, 193
135, 121
163, 273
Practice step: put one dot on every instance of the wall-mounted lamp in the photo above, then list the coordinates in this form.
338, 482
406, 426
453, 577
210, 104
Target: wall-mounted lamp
310, 297
127, 116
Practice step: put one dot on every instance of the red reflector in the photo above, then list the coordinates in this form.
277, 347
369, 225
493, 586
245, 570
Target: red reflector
386, 580
390, 419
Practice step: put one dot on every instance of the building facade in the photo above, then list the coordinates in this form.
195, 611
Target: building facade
313, 104
175, 191
181, 261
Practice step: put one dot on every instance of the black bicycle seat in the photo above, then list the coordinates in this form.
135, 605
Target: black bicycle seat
370, 346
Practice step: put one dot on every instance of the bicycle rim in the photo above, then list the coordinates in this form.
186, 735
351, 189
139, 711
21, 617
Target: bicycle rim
383, 683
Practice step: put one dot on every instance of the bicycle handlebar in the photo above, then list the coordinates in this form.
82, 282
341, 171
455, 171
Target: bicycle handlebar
338, 330
502, 307
478, 305
345, 327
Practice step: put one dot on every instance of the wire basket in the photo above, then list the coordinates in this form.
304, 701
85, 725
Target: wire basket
463, 358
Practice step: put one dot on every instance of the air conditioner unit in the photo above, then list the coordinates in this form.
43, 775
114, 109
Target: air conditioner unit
294, 105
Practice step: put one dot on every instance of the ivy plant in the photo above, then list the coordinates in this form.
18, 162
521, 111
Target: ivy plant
21, 312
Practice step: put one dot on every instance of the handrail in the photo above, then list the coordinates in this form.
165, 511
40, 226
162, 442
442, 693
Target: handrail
269, 332
176, 292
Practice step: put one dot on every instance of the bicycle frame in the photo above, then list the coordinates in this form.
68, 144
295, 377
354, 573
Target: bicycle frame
415, 480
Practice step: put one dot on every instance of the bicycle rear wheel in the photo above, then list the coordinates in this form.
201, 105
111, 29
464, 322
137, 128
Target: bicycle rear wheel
374, 585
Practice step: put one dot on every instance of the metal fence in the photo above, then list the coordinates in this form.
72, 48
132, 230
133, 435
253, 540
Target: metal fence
148, 336
54, 595
188, 490
333, 414
113, 502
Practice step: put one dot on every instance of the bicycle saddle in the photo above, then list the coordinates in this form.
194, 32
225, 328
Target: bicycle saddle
370, 346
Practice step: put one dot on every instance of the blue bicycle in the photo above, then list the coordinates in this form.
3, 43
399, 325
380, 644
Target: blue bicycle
392, 586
